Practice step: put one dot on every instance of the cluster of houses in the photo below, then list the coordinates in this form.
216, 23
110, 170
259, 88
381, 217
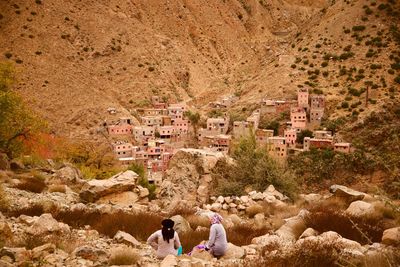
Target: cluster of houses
164, 129
305, 113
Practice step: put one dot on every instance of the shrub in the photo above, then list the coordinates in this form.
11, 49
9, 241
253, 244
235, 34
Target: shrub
344, 104
33, 184
293, 66
375, 66
324, 64
57, 188
358, 28
253, 167
124, 256
346, 55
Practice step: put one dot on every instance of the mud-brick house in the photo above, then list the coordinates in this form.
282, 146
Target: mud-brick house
291, 137
298, 118
155, 121
122, 149
317, 107
242, 129
167, 132
314, 143
262, 136
302, 98
143, 133
217, 125
342, 147
176, 111
217, 143
323, 134
277, 147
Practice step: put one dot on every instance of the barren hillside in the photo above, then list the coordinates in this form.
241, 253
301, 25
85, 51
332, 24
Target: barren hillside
77, 58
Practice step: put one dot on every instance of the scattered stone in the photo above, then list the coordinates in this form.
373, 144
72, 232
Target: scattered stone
308, 232
391, 236
121, 182
348, 194
181, 224
42, 251
360, 208
169, 261
234, 252
46, 224
125, 238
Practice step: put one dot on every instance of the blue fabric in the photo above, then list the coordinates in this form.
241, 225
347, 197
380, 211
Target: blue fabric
180, 249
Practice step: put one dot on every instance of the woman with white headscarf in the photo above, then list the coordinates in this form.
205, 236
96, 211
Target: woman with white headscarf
217, 242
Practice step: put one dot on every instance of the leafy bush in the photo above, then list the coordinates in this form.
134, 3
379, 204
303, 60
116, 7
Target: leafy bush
358, 28
253, 167
143, 181
344, 104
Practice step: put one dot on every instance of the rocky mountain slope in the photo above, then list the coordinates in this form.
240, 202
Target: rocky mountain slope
77, 58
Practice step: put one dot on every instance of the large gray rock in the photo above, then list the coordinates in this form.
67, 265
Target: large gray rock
234, 252
181, 224
123, 237
169, 261
391, 236
345, 193
361, 209
68, 175
46, 225
121, 182
293, 227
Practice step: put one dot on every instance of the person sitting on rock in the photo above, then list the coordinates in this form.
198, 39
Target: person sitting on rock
165, 241
217, 242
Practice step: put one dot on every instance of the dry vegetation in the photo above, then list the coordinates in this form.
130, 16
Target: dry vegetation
124, 256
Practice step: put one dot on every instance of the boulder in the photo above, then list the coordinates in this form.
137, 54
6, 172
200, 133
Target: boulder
68, 175
293, 227
345, 193
257, 196
220, 199
311, 198
391, 236
16, 254
244, 199
216, 206
89, 253
202, 254
181, 224
235, 219
308, 232
121, 182
123, 199
259, 220
43, 250
233, 252
46, 224
360, 208
125, 238
169, 261
143, 192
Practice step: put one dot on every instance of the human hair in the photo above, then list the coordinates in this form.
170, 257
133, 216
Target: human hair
167, 231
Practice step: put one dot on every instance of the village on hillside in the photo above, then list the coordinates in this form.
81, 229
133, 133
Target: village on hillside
165, 129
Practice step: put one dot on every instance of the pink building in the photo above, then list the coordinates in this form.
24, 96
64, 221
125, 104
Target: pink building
123, 149
342, 147
153, 112
291, 137
302, 98
298, 118
167, 132
217, 143
143, 133
119, 129
317, 101
152, 121
217, 125
277, 147
182, 127
176, 111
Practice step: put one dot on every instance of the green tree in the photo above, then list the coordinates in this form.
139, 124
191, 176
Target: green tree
194, 118
253, 167
303, 134
17, 122
270, 125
